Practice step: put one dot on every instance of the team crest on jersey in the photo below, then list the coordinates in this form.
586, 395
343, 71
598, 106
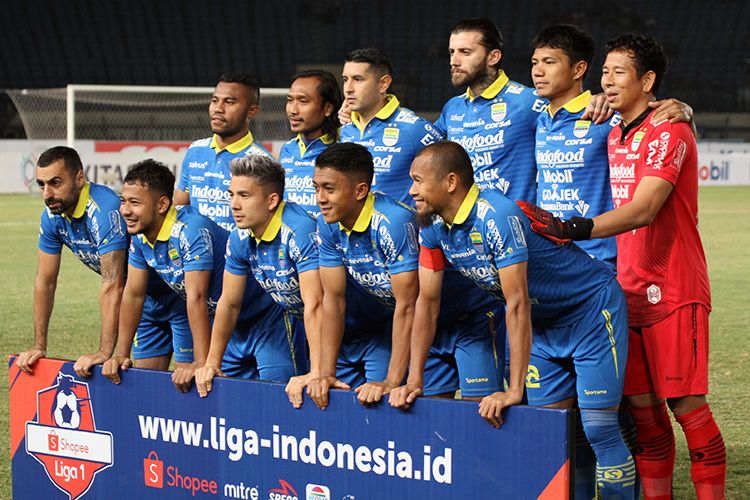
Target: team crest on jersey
175, 256
64, 437
498, 111
390, 136
637, 138
581, 128
476, 241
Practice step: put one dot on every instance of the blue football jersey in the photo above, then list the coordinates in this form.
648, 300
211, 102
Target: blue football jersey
496, 129
94, 229
573, 180
490, 232
287, 248
205, 175
394, 136
298, 160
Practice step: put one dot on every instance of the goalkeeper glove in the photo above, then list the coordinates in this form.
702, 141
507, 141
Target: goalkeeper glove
553, 228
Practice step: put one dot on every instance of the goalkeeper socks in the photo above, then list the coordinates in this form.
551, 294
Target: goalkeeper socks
707, 452
655, 458
615, 469
585, 464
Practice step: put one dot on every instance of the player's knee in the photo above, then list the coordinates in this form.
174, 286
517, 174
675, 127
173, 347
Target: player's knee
602, 428
685, 404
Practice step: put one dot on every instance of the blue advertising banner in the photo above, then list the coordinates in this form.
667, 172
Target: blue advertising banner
74, 438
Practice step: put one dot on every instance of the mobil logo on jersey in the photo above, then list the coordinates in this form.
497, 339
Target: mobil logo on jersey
64, 437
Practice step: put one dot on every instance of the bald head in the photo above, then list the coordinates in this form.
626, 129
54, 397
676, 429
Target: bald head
447, 157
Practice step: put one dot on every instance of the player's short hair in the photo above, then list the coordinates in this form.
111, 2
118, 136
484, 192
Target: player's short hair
69, 156
447, 157
330, 92
267, 172
245, 79
646, 52
376, 58
572, 40
351, 159
491, 37
153, 175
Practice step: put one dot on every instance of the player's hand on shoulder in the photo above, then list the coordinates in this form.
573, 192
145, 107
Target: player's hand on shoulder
204, 377
25, 360
183, 374
597, 110
402, 397
318, 389
491, 407
373, 392
111, 368
670, 109
84, 363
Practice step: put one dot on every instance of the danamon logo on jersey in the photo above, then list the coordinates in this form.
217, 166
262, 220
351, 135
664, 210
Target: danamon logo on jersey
637, 138
64, 438
581, 128
390, 136
317, 492
498, 111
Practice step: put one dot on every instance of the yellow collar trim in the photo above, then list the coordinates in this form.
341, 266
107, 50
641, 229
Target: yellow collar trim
274, 225
465, 209
384, 113
166, 226
576, 104
325, 139
235, 147
363, 221
494, 89
83, 200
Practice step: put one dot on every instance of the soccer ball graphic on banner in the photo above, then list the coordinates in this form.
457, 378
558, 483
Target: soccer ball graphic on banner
66, 409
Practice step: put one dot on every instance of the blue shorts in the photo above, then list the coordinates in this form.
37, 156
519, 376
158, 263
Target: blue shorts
468, 355
365, 357
164, 329
271, 349
585, 360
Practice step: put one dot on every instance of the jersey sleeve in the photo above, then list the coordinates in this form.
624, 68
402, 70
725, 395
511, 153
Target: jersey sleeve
237, 252
303, 248
49, 241
426, 133
440, 125
328, 254
669, 145
397, 239
196, 246
533, 107
183, 184
506, 232
135, 254
111, 233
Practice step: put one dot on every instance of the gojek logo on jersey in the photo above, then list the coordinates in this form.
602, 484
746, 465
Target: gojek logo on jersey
64, 438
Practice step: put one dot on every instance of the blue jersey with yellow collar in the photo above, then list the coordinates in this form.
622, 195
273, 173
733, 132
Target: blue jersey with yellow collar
187, 241
490, 232
496, 129
383, 242
287, 248
298, 160
393, 136
205, 175
95, 228
573, 180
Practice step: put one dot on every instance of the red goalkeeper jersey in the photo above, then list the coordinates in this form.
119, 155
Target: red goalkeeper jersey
660, 266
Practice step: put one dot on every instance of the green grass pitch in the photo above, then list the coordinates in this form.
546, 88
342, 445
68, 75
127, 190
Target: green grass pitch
725, 228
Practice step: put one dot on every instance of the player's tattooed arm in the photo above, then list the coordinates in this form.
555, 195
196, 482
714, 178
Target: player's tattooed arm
422, 335
405, 290
45, 283
110, 294
518, 321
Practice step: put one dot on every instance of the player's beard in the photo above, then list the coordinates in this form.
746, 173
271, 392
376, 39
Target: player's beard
479, 76
64, 204
229, 132
426, 217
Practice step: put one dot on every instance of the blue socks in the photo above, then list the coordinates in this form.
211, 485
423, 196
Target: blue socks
615, 469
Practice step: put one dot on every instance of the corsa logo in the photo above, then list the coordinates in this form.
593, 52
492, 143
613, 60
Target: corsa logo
532, 377
285, 491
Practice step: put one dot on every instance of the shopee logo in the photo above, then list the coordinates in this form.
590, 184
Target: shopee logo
52, 441
153, 471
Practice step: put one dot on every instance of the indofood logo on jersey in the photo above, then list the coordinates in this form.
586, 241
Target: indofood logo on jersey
581, 128
390, 136
64, 437
498, 111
